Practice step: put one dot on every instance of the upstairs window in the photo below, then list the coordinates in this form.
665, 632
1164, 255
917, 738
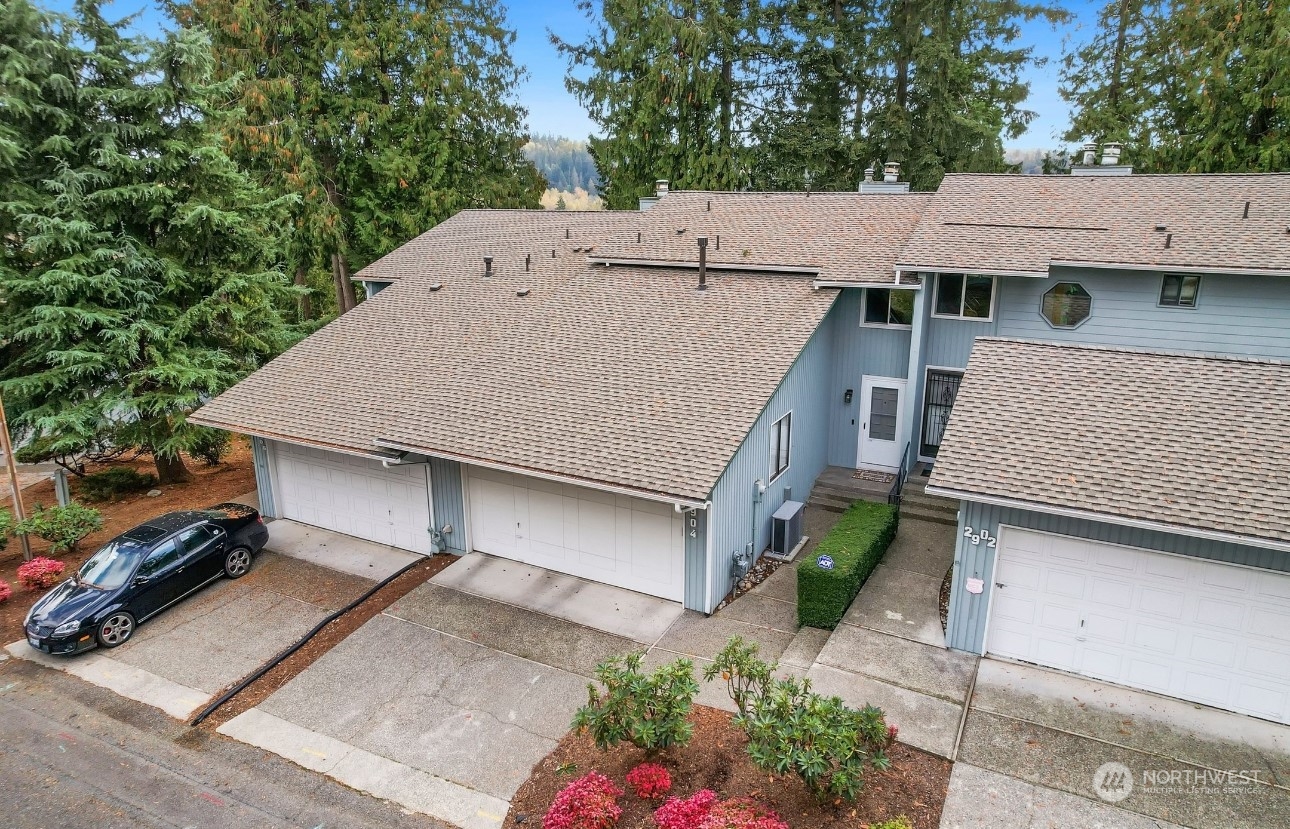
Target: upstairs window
964, 296
1178, 291
884, 306
1066, 305
780, 438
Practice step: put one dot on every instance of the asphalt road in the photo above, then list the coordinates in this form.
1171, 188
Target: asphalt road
73, 755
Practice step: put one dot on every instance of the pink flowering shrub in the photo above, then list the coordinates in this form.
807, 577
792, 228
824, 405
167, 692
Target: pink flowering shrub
40, 573
649, 781
5, 591
685, 814
741, 813
590, 802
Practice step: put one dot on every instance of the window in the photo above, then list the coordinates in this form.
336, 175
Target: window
964, 296
883, 306
780, 438
1066, 305
195, 538
159, 559
1177, 291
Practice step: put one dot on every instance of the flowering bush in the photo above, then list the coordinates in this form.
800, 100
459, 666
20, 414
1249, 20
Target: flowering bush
741, 813
649, 781
590, 802
685, 814
62, 527
40, 573
5, 591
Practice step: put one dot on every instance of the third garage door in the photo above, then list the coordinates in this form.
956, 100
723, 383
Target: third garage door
615, 539
1186, 627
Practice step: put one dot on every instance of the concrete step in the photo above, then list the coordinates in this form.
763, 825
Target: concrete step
827, 506
835, 491
929, 502
819, 499
917, 513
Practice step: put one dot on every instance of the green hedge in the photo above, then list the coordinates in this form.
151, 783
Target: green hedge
856, 545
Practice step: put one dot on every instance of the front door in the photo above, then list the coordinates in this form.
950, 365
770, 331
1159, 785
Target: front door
882, 415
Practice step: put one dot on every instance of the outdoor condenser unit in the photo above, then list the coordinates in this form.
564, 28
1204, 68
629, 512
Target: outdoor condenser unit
786, 527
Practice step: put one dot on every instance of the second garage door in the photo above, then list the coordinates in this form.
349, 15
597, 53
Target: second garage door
355, 496
615, 539
1200, 630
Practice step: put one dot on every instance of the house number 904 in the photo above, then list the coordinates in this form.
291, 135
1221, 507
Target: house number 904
979, 537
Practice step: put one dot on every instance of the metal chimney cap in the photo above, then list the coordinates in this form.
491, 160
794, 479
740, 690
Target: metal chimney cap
661, 187
891, 172
868, 173
1111, 152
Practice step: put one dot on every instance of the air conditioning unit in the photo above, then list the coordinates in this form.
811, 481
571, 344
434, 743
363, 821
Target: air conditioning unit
786, 529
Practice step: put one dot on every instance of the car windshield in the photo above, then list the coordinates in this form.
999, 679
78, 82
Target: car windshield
112, 565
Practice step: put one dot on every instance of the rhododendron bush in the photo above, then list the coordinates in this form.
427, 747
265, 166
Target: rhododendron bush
40, 573
590, 802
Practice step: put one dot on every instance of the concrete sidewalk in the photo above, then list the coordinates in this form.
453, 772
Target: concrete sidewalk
336, 551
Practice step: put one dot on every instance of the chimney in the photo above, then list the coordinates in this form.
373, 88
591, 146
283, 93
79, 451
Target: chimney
868, 174
703, 262
488, 266
660, 188
1111, 153
1090, 153
890, 184
1110, 165
891, 172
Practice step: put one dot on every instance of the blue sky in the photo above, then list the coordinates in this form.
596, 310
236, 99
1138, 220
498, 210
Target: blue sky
553, 110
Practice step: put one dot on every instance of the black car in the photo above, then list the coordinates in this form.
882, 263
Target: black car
143, 571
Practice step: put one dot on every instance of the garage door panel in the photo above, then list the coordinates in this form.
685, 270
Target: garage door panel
1193, 628
616, 539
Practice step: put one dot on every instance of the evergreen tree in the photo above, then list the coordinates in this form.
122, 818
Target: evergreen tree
140, 272
383, 117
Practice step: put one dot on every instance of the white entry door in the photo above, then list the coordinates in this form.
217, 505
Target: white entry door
355, 496
1186, 627
615, 539
882, 419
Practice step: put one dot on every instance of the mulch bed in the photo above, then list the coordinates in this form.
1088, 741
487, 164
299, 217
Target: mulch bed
755, 576
210, 485
325, 640
945, 599
716, 758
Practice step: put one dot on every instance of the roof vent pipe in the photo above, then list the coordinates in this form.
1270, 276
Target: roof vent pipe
891, 172
660, 188
1090, 154
488, 266
1111, 153
528, 259
703, 263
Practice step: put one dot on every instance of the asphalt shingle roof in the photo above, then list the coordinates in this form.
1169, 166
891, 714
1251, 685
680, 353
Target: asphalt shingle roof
847, 237
621, 375
1187, 440
1022, 223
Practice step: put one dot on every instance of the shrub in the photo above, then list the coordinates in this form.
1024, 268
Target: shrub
901, 822
685, 814
650, 781
590, 802
40, 573
649, 711
741, 813
118, 480
210, 446
6, 527
746, 676
5, 591
856, 545
62, 527
830, 746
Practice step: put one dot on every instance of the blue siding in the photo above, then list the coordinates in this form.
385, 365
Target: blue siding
447, 502
737, 521
859, 350
967, 616
696, 560
263, 477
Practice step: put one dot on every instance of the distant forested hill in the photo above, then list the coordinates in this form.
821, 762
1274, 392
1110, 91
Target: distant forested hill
566, 163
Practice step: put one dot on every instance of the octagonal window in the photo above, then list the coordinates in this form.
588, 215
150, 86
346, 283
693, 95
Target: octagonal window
1066, 305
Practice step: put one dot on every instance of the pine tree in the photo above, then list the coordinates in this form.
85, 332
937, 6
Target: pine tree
140, 274
384, 117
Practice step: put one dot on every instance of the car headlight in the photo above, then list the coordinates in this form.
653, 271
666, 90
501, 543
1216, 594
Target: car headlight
67, 628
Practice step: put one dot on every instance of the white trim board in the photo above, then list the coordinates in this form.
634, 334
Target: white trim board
1087, 515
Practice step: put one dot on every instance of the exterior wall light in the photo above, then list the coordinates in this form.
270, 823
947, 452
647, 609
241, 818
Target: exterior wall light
846, 396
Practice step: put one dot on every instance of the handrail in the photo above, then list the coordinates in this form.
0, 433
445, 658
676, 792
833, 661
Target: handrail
894, 494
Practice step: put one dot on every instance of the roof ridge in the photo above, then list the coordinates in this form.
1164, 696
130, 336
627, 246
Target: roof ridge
1127, 349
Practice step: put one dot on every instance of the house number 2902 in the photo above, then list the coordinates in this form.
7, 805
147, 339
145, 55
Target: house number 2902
979, 537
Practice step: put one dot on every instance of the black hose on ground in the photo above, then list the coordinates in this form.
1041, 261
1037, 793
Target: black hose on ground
300, 643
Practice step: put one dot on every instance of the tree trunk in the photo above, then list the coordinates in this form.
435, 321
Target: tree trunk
171, 470
347, 282
304, 303
1117, 63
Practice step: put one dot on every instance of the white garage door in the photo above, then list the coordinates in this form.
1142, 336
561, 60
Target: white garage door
1199, 630
355, 496
615, 539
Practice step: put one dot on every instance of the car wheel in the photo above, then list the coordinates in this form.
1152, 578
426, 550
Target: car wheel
237, 563
115, 629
